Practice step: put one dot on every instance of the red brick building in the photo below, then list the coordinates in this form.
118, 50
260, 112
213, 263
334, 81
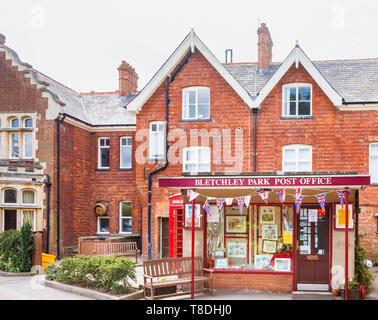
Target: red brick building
220, 125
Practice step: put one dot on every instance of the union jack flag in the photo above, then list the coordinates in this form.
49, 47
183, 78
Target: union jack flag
298, 192
281, 194
341, 194
206, 207
298, 202
240, 202
220, 203
321, 199
263, 194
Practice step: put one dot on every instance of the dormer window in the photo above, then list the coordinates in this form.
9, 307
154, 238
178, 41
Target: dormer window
196, 103
297, 100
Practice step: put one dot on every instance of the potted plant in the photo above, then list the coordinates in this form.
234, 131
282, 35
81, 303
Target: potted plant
353, 290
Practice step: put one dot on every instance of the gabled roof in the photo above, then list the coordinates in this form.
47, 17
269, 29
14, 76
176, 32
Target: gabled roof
190, 42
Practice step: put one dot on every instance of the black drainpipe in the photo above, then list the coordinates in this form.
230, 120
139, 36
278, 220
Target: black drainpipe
254, 137
357, 211
58, 120
48, 188
149, 208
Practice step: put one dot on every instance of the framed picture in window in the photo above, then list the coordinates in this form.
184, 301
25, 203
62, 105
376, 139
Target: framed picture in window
267, 215
340, 217
269, 231
282, 264
236, 224
269, 246
197, 216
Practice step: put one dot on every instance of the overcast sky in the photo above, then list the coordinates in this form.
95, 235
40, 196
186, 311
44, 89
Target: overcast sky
80, 43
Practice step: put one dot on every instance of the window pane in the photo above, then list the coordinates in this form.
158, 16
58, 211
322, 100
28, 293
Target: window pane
192, 111
28, 145
190, 168
191, 97
374, 169
304, 108
304, 154
104, 157
190, 155
28, 196
203, 168
28, 217
304, 93
126, 209
203, 111
14, 145
103, 225
289, 166
15, 123
374, 148
293, 108
293, 94
203, 96
304, 166
204, 155
126, 157
289, 154
28, 123
102, 142
126, 225
10, 196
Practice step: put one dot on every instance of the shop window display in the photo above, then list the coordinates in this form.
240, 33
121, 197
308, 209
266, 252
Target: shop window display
260, 239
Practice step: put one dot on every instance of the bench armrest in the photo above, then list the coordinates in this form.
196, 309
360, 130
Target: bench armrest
149, 277
207, 270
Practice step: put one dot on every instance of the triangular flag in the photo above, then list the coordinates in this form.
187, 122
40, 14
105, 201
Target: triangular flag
298, 202
263, 194
341, 194
247, 200
229, 201
321, 199
298, 192
281, 194
240, 202
206, 207
192, 195
220, 203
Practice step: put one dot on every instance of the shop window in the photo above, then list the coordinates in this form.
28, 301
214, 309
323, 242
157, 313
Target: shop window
373, 163
10, 196
125, 217
297, 100
28, 216
28, 197
126, 152
196, 159
260, 239
196, 103
156, 142
103, 225
296, 158
103, 153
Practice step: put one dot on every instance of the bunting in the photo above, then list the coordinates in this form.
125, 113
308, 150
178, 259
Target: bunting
281, 194
220, 203
192, 195
321, 199
206, 207
247, 200
341, 194
229, 201
298, 192
298, 202
263, 194
240, 202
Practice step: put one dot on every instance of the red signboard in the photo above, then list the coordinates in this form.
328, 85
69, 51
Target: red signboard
264, 182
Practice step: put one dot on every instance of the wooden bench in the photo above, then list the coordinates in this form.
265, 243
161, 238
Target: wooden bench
117, 249
173, 272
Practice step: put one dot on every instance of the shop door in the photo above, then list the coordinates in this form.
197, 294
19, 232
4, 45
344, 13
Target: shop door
10, 219
165, 238
313, 249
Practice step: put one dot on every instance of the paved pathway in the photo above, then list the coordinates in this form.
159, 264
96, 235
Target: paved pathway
28, 288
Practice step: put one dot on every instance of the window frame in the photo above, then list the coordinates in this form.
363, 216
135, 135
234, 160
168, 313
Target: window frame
150, 156
24, 145
10, 203
99, 147
374, 155
34, 218
121, 154
296, 85
184, 106
197, 163
296, 147
11, 145
121, 217
22, 197
98, 224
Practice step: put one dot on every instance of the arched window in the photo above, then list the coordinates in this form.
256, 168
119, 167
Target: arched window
28, 123
15, 123
10, 196
28, 197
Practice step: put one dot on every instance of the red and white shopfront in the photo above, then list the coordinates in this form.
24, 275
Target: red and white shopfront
267, 244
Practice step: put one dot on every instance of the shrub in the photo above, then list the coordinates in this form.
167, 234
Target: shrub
16, 249
51, 272
106, 273
362, 275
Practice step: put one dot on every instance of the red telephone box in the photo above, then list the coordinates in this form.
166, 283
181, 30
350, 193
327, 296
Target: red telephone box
176, 223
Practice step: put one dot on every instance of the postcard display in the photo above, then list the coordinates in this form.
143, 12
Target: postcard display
260, 239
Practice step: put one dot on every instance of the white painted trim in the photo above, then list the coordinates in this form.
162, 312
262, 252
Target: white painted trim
99, 152
190, 41
89, 128
196, 89
370, 165
358, 107
295, 85
98, 224
298, 54
120, 152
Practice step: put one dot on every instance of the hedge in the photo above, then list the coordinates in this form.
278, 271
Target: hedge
106, 273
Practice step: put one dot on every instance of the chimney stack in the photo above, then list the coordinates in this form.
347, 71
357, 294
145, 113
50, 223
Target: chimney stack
264, 45
128, 79
2, 39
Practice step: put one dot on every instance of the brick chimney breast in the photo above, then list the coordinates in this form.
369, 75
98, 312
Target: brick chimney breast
128, 79
264, 45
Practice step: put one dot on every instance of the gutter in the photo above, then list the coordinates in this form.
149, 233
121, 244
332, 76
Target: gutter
149, 206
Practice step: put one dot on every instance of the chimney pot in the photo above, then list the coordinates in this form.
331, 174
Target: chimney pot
128, 79
264, 45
